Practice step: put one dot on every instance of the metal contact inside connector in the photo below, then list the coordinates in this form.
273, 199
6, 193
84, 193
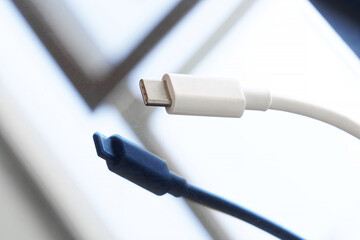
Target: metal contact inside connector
143, 92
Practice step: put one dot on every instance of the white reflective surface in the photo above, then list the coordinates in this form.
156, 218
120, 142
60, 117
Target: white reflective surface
118, 26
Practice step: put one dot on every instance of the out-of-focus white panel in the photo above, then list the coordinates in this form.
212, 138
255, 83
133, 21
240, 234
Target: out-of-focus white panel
19, 205
118, 26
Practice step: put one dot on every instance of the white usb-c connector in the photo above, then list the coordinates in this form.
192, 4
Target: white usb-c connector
198, 95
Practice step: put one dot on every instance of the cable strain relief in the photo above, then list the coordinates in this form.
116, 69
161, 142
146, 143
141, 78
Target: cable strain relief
178, 185
257, 98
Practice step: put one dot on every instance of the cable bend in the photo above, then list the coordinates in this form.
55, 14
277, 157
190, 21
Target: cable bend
342, 122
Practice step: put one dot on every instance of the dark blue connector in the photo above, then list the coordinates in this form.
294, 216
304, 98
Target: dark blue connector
137, 165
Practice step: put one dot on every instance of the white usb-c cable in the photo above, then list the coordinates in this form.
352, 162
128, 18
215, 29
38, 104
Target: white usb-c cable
225, 97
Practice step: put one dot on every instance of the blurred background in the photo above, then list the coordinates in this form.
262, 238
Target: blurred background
69, 68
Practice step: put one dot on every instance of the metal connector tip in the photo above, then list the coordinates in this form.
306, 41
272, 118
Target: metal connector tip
154, 93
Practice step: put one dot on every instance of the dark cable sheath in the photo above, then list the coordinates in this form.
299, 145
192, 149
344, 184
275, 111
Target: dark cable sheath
149, 172
210, 200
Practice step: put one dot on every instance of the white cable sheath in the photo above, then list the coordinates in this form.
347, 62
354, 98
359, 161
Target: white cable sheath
263, 99
286, 104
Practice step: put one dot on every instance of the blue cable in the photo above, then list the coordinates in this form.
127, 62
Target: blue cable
148, 171
215, 202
